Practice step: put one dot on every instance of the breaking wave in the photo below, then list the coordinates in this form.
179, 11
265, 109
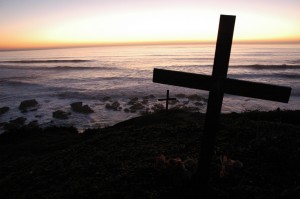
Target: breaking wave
276, 67
255, 66
47, 61
273, 75
296, 61
57, 67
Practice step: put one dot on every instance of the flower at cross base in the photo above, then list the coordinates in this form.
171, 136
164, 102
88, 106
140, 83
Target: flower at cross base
228, 165
176, 170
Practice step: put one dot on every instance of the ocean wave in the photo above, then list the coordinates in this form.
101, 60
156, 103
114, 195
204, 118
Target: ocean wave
73, 95
193, 59
296, 94
297, 61
182, 66
289, 76
121, 79
254, 66
259, 66
82, 68
57, 67
17, 78
19, 83
271, 75
159, 55
47, 61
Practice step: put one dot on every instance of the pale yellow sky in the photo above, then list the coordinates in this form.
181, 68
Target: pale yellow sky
57, 23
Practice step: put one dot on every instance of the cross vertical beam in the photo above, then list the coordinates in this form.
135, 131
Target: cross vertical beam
167, 101
214, 105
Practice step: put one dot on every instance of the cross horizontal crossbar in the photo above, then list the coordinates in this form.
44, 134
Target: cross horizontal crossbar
230, 86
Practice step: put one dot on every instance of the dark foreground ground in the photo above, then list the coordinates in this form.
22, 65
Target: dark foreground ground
121, 161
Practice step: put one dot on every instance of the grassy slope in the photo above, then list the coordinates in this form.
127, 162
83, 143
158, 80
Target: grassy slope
118, 162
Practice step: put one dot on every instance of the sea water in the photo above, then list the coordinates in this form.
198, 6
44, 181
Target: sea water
58, 77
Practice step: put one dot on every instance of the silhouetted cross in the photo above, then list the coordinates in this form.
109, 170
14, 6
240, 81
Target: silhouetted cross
167, 100
217, 85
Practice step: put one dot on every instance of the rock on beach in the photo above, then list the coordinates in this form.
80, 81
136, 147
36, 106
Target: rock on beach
59, 114
77, 107
116, 106
14, 124
135, 107
24, 105
4, 110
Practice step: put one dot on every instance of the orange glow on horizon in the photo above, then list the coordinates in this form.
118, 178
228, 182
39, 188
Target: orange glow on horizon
134, 23
52, 45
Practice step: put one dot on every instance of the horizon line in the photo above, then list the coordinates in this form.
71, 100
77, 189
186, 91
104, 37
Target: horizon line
112, 44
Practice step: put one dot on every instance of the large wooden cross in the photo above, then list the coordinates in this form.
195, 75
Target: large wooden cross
217, 85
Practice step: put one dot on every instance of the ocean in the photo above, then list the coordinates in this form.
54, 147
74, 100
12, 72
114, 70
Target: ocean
100, 76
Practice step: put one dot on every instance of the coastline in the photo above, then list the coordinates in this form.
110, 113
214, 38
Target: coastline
101, 113
120, 161
110, 110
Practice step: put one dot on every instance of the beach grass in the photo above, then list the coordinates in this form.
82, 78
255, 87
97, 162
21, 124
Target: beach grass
121, 161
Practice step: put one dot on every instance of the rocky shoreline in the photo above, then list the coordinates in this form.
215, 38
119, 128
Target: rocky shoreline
135, 105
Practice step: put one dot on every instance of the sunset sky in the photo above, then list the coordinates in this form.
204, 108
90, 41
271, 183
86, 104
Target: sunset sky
63, 23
